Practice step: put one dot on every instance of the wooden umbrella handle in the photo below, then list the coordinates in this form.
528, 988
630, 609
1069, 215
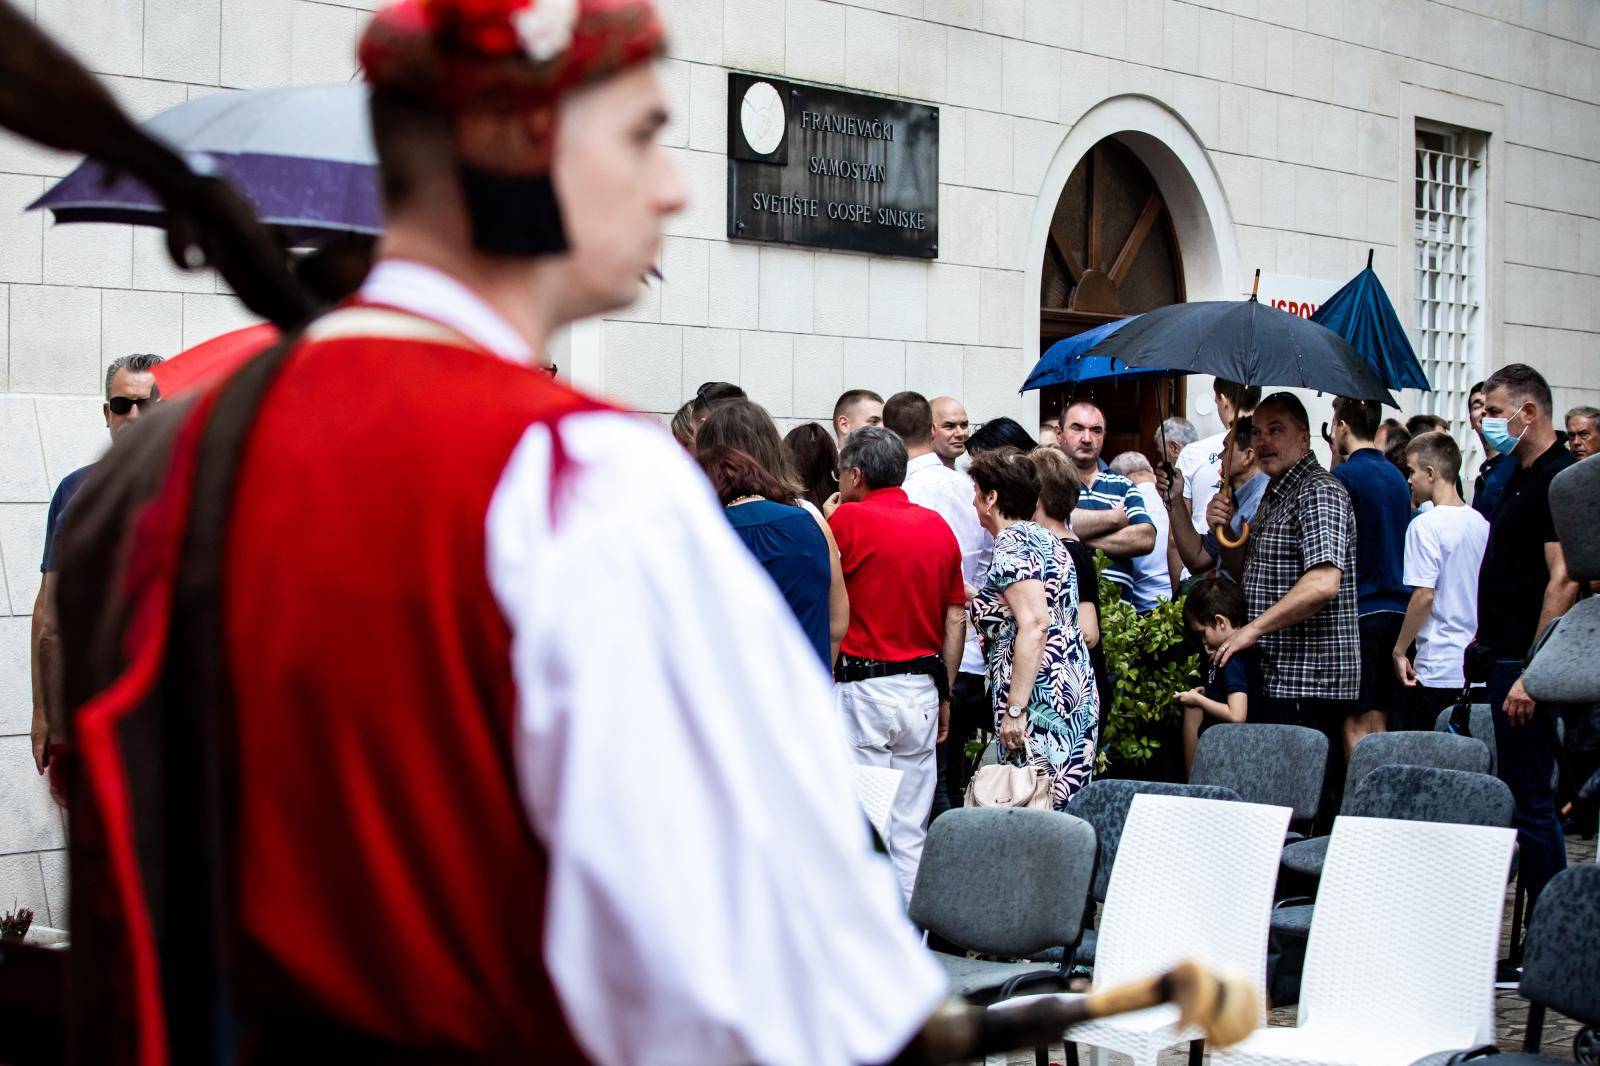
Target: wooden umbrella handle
1220, 531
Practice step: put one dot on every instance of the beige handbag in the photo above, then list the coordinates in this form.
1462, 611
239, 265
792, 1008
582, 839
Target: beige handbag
1005, 785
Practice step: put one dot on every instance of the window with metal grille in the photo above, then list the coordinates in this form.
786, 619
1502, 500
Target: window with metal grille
1449, 268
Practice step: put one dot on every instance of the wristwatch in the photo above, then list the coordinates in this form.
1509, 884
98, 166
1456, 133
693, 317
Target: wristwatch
1016, 712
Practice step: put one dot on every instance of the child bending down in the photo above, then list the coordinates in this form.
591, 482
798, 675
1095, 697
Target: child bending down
1214, 610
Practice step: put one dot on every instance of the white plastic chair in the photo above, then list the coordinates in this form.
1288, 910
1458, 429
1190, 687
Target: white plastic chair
875, 789
1401, 959
1193, 880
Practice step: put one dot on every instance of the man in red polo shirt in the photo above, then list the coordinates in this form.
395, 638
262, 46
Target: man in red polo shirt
902, 568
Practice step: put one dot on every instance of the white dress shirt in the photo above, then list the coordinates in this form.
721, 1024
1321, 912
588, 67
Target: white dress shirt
931, 484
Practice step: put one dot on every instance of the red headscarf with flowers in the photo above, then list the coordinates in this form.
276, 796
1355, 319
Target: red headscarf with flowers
511, 53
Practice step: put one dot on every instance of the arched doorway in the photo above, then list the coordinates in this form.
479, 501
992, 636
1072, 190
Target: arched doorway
1111, 250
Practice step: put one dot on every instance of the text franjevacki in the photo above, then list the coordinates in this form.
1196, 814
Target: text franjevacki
846, 169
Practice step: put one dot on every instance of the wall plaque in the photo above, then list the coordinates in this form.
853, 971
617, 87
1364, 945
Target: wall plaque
830, 168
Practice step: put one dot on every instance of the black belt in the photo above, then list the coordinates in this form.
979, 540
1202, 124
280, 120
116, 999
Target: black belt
849, 668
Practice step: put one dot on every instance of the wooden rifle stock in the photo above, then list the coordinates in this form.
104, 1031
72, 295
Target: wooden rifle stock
1226, 1008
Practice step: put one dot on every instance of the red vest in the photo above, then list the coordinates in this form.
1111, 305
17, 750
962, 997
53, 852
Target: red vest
390, 884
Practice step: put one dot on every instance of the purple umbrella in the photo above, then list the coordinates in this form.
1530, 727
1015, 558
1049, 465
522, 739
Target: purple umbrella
303, 156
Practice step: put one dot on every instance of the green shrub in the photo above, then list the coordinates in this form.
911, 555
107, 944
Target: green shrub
1149, 663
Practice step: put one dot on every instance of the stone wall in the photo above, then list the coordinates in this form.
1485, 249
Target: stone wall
1303, 107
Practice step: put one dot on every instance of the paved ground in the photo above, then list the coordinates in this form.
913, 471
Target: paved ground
1511, 1010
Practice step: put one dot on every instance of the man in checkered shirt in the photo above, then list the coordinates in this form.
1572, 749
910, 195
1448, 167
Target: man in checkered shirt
1299, 582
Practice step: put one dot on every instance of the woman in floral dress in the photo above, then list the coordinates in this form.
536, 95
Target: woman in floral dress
1026, 614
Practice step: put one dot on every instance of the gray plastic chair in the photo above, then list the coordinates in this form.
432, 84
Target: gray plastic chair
1575, 509
1444, 751
1412, 794
1003, 882
1278, 765
1563, 669
1432, 794
1480, 720
1104, 805
1560, 966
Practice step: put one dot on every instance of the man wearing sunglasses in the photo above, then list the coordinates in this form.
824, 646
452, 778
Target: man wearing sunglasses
130, 388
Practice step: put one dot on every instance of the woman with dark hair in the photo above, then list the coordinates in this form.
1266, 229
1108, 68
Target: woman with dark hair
745, 426
1046, 703
1000, 433
816, 461
783, 538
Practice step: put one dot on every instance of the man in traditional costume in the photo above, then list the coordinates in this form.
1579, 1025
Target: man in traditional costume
437, 714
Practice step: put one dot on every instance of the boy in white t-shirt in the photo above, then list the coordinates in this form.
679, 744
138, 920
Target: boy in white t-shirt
1444, 549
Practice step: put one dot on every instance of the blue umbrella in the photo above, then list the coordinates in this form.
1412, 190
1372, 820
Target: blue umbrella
1362, 314
1066, 362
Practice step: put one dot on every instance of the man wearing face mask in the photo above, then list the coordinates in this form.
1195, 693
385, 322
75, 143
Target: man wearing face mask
1522, 588
396, 742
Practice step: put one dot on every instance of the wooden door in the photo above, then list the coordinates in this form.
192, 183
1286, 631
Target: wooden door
1111, 252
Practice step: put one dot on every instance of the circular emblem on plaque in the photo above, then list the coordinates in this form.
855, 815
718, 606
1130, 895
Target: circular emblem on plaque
762, 118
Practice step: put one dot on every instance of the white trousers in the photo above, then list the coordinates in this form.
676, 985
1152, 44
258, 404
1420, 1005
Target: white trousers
892, 722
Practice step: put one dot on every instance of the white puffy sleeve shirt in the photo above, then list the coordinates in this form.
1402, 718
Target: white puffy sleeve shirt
713, 893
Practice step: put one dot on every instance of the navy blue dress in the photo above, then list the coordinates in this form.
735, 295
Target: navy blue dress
789, 544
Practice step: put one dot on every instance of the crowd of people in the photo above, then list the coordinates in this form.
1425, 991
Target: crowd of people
948, 575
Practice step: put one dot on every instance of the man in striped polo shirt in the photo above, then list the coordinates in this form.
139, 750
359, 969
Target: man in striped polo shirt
1111, 515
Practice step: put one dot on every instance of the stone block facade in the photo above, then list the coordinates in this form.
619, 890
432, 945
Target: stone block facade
1302, 111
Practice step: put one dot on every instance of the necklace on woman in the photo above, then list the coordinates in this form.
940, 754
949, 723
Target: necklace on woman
745, 499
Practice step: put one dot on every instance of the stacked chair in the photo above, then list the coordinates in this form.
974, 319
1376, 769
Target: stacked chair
1561, 970
1003, 884
1446, 751
1401, 944
1404, 793
1104, 804
1412, 794
1193, 880
1404, 939
1279, 765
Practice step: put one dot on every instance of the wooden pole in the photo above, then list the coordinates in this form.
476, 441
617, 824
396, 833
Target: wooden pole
1226, 1008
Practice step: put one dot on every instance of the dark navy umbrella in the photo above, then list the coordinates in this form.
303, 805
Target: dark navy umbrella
303, 156
1067, 362
1248, 342
1362, 314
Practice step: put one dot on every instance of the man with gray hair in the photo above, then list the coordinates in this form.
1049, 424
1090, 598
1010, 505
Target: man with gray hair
130, 386
1583, 431
1145, 579
902, 650
1174, 435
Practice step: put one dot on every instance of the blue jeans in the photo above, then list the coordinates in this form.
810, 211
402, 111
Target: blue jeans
1527, 764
